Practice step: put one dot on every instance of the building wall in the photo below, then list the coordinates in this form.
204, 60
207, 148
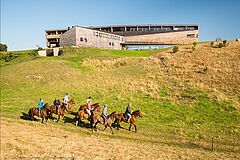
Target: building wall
97, 39
180, 37
83, 37
68, 38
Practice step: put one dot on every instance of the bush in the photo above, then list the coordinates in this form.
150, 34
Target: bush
8, 57
237, 39
212, 44
221, 45
39, 48
175, 49
193, 48
3, 47
225, 43
195, 44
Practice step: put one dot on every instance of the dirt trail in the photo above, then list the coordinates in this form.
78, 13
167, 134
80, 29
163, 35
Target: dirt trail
19, 141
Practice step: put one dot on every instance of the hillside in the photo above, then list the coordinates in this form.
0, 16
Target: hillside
187, 99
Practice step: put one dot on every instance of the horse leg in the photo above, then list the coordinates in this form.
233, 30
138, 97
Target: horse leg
135, 128
111, 128
58, 117
130, 127
77, 122
105, 127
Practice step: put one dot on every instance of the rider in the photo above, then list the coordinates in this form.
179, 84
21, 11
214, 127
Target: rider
128, 112
88, 109
104, 113
40, 105
65, 100
57, 104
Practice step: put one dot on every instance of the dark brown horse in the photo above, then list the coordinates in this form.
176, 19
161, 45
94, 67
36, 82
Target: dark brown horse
133, 119
70, 105
59, 112
99, 119
44, 112
119, 118
81, 114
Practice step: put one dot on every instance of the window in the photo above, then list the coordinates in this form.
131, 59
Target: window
81, 39
85, 39
110, 43
191, 35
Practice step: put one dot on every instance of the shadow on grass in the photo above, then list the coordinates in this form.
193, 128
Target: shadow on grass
26, 117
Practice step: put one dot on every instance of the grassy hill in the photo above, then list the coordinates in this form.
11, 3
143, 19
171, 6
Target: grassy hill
187, 98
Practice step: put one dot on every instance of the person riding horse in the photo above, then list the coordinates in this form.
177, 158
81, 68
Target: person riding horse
40, 105
128, 112
57, 104
88, 108
104, 113
65, 100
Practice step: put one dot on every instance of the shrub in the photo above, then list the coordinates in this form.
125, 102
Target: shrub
193, 48
3, 47
221, 45
195, 44
175, 49
225, 43
237, 39
39, 48
8, 57
212, 44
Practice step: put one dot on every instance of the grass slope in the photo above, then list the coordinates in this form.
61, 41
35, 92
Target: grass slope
186, 98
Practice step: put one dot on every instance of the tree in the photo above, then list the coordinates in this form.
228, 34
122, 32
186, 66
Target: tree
3, 47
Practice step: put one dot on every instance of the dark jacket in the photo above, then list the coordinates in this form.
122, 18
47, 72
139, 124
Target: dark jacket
128, 110
56, 102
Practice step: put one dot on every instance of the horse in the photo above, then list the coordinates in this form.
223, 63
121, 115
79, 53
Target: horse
84, 106
133, 119
59, 112
44, 112
99, 119
70, 104
82, 115
121, 117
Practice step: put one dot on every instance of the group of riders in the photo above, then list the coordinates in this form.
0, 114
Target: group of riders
88, 109
56, 103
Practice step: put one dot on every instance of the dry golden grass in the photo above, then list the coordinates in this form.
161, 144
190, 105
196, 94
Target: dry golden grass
37, 141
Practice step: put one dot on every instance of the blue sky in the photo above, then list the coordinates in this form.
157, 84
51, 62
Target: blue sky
23, 21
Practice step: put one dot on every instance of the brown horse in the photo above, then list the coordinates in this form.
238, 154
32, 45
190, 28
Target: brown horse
70, 105
99, 119
133, 119
59, 112
84, 106
81, 114
119, 118
44, 112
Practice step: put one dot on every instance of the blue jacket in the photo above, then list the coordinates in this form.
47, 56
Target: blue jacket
40, 104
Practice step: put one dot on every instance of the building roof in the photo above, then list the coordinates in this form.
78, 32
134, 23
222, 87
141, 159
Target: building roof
143, 25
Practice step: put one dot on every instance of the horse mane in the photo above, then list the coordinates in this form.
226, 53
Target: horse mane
110, 115
45, 105
137, 112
